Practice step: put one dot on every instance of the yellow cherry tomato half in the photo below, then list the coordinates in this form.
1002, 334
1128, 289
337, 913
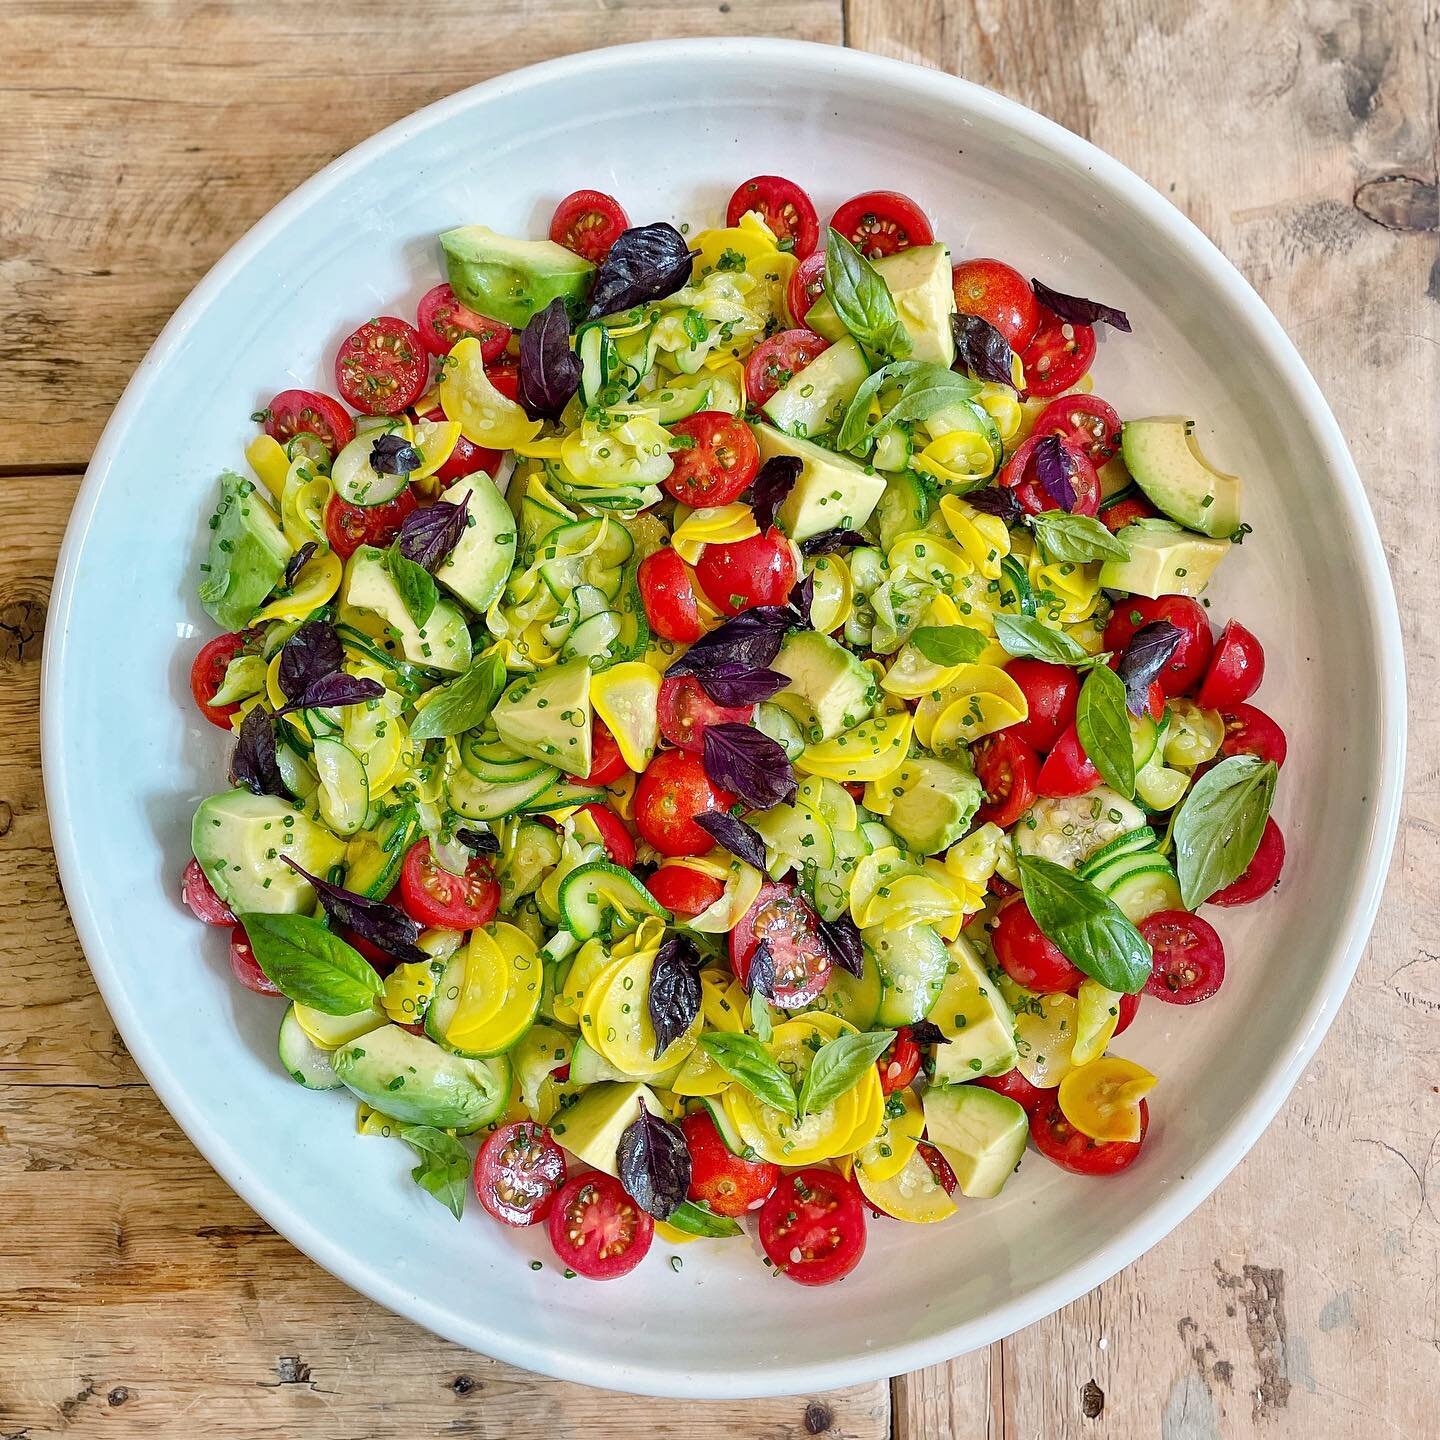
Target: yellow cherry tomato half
1102, 1099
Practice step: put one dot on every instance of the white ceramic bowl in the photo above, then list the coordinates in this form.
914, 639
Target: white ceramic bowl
671, 128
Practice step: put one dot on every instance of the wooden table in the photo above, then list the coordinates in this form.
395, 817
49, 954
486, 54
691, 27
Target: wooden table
138, 1296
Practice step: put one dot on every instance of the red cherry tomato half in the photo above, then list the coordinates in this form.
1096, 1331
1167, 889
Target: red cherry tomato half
1191, 656
813, 1226
1017, 1087
199, 894
1020, 475
308, 412
348, 527
443, 322
784, 207
717, 464
672, 791
1236, 669
1261, 876
1057, 356
607, 764
683, 891
1000, 294
1250, 731
1122, 510
1086, 423
669, 597
619, 845
1058, 1140
1189, 958
207, 674
382, 368
685, 710
1051, 693
589, 222
518, 1173
466, 458
783, 919
726, 1183
1007, 769
757, 571
1027, 956
900, 1063
774, 361
939, 1167
245, 967
882, 222
433, 895
807, 285
597, 1230
1067, 770
373, 953
1129, 1004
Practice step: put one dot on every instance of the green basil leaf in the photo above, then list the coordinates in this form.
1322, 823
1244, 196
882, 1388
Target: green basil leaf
444, 1168
694, 1219
838, 1065
862, 299
1089, 928
855, 432
930, 389
1076, 539
1103, 723
415, 583
745, 1059
1024, 635
309, 965
760, 1021
949, 644
1218, 826
463, 703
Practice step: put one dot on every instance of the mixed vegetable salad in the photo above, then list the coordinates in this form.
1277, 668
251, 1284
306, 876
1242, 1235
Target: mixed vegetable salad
725, 721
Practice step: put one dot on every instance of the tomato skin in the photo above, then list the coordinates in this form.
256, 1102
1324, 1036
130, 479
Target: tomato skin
774, 361
1250, 731
900, 1063
1067, 770
785, 207
807, 284
1084, 422
757, 571
588, 222
1027, 956
1191, 656
882, 222
1262, 874
1053, 360
672, 791
619, 844
431, 895
683, 891
1013, 1084
607, 764
442, 322
999, 294
820, 1214
199, 894
244, 966
295, 412
685, 711
348, 527
1189, 957
1129, 1004
1018, 474
782, 917
597, 1230
1051, 693
518, 1173
718, 465
1008, 769
726, 1183
669, 597
505, 377
1058, 1140
1126, 511
467, 458
1236, 669
207, 672
382, 367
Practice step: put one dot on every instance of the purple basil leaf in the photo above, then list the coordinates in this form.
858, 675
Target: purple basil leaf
1053, 468
775, 481
428, 535
479, 842
761, 974
801, 598
297, 562
310, 654
646, 263
736, 686
1079, 311
393, 454
927, 1032
253, 763
996, 500
842, 940
674, 991
750, 639
751, 765
1147, 654
549, 368
982, 349
335, 690
827, 542
654, 1164
384, 926
740, 839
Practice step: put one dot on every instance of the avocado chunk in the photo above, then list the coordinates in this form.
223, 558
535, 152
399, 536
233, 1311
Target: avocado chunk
546, 715
248, 553
829, 689
832, 493
815, 399
920, 282
510, 280
591, 1128
411, 1079
980, 1133
935, 800
476, 570
1166, 462
441, 643
1164, 560
239, 839
972, 1013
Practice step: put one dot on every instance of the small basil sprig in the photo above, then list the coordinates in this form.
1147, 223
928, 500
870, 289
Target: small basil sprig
415, 584
862, 299
654, 1164
1219, 825
309, 965
771, 486
838, 1065
1076, 539
673, 1000
745, 1059
1089, 928
444, 1168
923, 388
1026, 637
741, 840
949, 644
463, 703
749, 764
254, 763
1102, 722
842, 942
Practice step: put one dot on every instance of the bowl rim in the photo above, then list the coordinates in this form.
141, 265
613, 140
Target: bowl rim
1245, 1127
